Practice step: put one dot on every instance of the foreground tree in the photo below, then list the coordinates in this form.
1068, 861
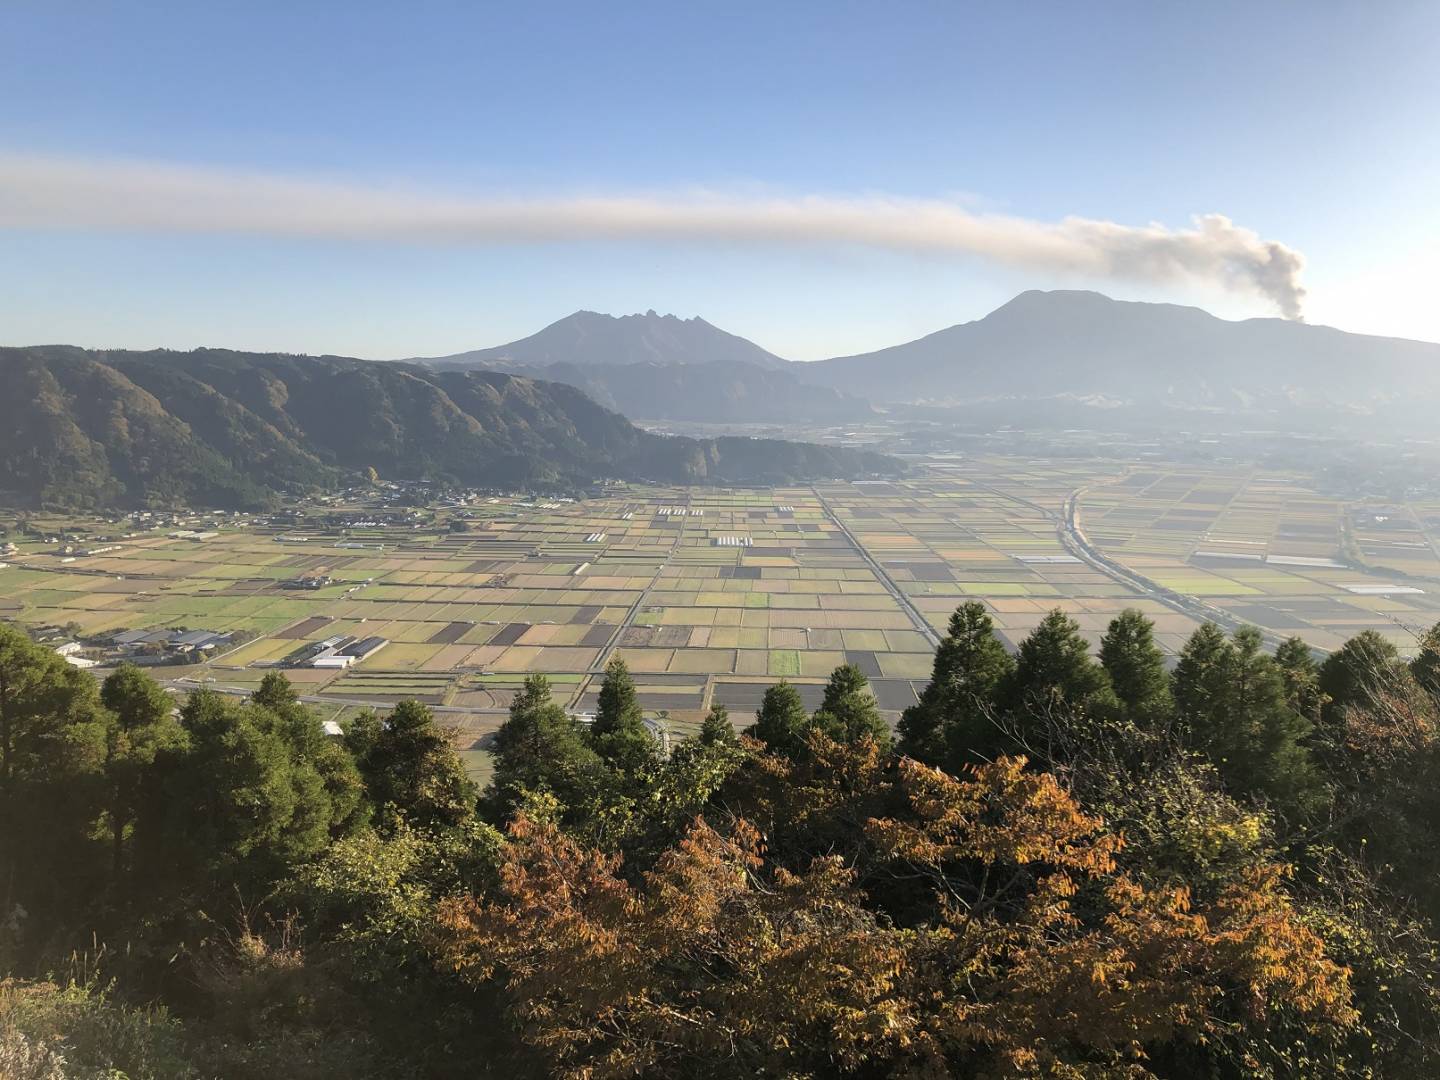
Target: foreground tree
781, 720
239, 804
957, 711
1232, 703
848, 712
1055, 682
53, 738
1425, 668
541, 748
1301, 674
1054, 666
332, 758
717, 728
139, 728
718, 962
409, 768
619, 734
1364, 673
1136, 668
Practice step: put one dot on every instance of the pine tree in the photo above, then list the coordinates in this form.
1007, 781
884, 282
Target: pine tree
140, 729
955, 712
781, 720
1054, 666
1297, 666
1198, 685
53, 738
848, 712
1136, 667
282, 711
240, 806
717, 728
275, 692
619, 734
1231, 700
540, 748
411, 768
1055, 682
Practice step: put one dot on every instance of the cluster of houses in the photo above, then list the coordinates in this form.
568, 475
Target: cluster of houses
163, 646
178, 640
143, 647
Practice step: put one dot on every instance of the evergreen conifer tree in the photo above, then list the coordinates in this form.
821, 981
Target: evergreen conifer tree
619, 734
781, 720
848, 711
717, 728
1136, 667
955, 711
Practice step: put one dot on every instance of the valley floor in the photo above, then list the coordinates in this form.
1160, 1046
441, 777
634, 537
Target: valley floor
712, 594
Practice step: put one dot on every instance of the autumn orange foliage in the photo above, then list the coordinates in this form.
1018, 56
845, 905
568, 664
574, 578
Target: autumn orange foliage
1036, 956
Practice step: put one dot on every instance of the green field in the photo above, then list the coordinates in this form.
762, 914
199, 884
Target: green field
704, 590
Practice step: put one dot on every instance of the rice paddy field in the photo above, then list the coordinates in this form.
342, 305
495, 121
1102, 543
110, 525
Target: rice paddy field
713, 594
988, 530
1268, 549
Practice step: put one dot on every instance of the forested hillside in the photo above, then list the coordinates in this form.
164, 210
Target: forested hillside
230, 430
1068, 866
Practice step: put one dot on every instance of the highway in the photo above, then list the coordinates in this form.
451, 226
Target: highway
1073, 539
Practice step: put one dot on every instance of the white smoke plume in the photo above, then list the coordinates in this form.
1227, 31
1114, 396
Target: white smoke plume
66, 193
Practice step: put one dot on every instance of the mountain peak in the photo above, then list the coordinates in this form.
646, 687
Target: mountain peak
650, 315
1078, 296
1078, 342
1080, 302
591, 337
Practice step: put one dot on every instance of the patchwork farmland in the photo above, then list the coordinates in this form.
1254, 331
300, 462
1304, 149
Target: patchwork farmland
713, 594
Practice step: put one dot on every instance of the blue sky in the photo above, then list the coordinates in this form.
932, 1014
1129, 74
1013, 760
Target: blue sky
1310, 124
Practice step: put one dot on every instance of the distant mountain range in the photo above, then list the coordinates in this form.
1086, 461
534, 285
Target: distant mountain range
231, 429
220, 428
1083, 344
659, 367
1059, 355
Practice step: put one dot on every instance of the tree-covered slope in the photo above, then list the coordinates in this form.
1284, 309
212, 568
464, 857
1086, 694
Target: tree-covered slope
222, 428
75, 431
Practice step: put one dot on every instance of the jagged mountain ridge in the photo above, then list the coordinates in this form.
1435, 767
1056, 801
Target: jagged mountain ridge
588, 338
659, 367
231, 429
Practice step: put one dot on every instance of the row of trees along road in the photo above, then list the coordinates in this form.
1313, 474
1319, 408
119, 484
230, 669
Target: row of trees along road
1068, 864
